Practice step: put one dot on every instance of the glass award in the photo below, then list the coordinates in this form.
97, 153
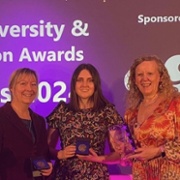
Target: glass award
122, 138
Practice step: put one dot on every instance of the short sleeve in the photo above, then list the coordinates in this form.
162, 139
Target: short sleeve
55, 117
112, 116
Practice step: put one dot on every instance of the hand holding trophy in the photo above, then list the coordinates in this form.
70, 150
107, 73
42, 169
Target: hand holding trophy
122, 142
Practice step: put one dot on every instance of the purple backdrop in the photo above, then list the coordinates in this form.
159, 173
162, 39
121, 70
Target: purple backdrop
53, 37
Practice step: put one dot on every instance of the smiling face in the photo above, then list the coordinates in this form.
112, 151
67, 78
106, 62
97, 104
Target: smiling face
24, 89
84, 86
147, 78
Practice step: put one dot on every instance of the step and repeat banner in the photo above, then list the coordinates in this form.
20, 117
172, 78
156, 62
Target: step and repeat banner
54, 37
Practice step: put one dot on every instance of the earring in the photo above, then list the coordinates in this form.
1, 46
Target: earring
160, 86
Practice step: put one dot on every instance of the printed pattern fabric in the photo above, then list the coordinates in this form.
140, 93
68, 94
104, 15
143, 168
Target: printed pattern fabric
82, 124
162, 127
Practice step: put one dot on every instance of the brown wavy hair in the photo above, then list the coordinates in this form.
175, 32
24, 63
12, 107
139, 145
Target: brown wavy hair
166, 88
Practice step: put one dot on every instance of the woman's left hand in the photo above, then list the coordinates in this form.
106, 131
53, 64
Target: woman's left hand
47, 172
145, 153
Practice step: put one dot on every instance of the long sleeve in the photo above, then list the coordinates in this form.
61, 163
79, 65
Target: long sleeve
172, 148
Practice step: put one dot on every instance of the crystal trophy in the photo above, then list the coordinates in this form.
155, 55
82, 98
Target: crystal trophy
123, 140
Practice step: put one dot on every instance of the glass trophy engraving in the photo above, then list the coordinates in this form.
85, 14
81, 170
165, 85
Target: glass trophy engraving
123, 142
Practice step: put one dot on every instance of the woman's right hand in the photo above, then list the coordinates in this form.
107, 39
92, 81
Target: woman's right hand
67, 152
47, 172
146, 153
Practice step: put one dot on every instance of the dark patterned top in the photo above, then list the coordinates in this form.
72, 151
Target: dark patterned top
82, 124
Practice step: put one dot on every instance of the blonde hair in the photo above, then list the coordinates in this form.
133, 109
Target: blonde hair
15, 75
166, 88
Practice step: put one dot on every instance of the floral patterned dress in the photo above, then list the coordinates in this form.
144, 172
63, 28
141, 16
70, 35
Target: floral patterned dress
162, 127
82, 124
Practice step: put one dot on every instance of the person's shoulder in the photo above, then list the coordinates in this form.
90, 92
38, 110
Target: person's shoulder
110, 107
109, 104
2, 111
61, 105
173, 100
129, 112
5, 108
5, 111
176, 98
1, 108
